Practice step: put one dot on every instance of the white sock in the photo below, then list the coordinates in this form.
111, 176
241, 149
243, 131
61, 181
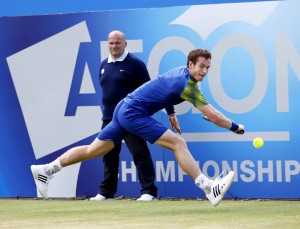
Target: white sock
53, 167
203, 182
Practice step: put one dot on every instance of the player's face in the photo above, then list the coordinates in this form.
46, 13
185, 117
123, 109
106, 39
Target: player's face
200, 68
116, 45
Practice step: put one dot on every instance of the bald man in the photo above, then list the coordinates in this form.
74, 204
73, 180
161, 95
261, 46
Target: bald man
120, 74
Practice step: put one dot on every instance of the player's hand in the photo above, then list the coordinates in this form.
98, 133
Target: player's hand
240, 130
174, 123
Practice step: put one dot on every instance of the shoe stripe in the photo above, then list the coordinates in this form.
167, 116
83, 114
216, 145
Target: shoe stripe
219, 189
42, 178
216, 191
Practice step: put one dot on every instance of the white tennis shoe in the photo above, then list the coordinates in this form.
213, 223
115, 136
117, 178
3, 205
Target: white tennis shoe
99, 197
146, 197
41, 179
219, 187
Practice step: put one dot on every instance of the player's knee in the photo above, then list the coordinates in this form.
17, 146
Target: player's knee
180, 144
99, 148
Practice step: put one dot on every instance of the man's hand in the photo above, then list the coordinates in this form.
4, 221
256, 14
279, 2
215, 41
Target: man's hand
174, 123
240, 130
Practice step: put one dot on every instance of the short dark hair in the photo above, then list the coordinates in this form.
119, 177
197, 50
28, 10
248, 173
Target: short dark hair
196, 53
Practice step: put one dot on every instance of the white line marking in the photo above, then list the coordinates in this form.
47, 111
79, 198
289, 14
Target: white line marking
225, 137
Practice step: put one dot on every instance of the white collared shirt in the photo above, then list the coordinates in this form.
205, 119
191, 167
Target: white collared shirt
121, 58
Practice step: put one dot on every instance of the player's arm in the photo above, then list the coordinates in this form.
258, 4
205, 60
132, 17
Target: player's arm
193, 95
220, 119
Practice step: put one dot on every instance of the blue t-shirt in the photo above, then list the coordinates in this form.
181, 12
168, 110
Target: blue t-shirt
168, 89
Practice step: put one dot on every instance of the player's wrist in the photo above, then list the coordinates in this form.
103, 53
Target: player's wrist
234, 126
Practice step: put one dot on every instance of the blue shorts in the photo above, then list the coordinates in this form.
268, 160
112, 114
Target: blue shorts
129, 119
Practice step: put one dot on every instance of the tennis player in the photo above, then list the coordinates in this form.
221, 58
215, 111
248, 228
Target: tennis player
133, 114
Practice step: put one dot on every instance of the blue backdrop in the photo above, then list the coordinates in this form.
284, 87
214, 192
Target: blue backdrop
50, 98
38, 7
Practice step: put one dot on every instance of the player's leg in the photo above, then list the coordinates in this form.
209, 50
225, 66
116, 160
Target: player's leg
144, 165
82, 153
177, 144
214, 190
43, 173
105, 141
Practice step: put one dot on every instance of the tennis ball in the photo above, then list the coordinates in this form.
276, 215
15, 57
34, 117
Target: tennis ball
258, 142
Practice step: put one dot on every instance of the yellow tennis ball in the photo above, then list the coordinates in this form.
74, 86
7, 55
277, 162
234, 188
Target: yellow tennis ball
258, 142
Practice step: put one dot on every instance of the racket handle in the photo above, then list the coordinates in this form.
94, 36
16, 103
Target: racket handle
241, 132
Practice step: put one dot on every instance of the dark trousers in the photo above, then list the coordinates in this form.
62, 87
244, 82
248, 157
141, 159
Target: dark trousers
142, 160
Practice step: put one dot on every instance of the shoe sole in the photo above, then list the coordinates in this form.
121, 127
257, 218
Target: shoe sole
109, 199
146, 200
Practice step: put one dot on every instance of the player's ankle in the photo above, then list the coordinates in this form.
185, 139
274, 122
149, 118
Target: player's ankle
53, 167
203, 182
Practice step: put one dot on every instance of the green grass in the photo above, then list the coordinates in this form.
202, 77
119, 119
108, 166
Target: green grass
30, 213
